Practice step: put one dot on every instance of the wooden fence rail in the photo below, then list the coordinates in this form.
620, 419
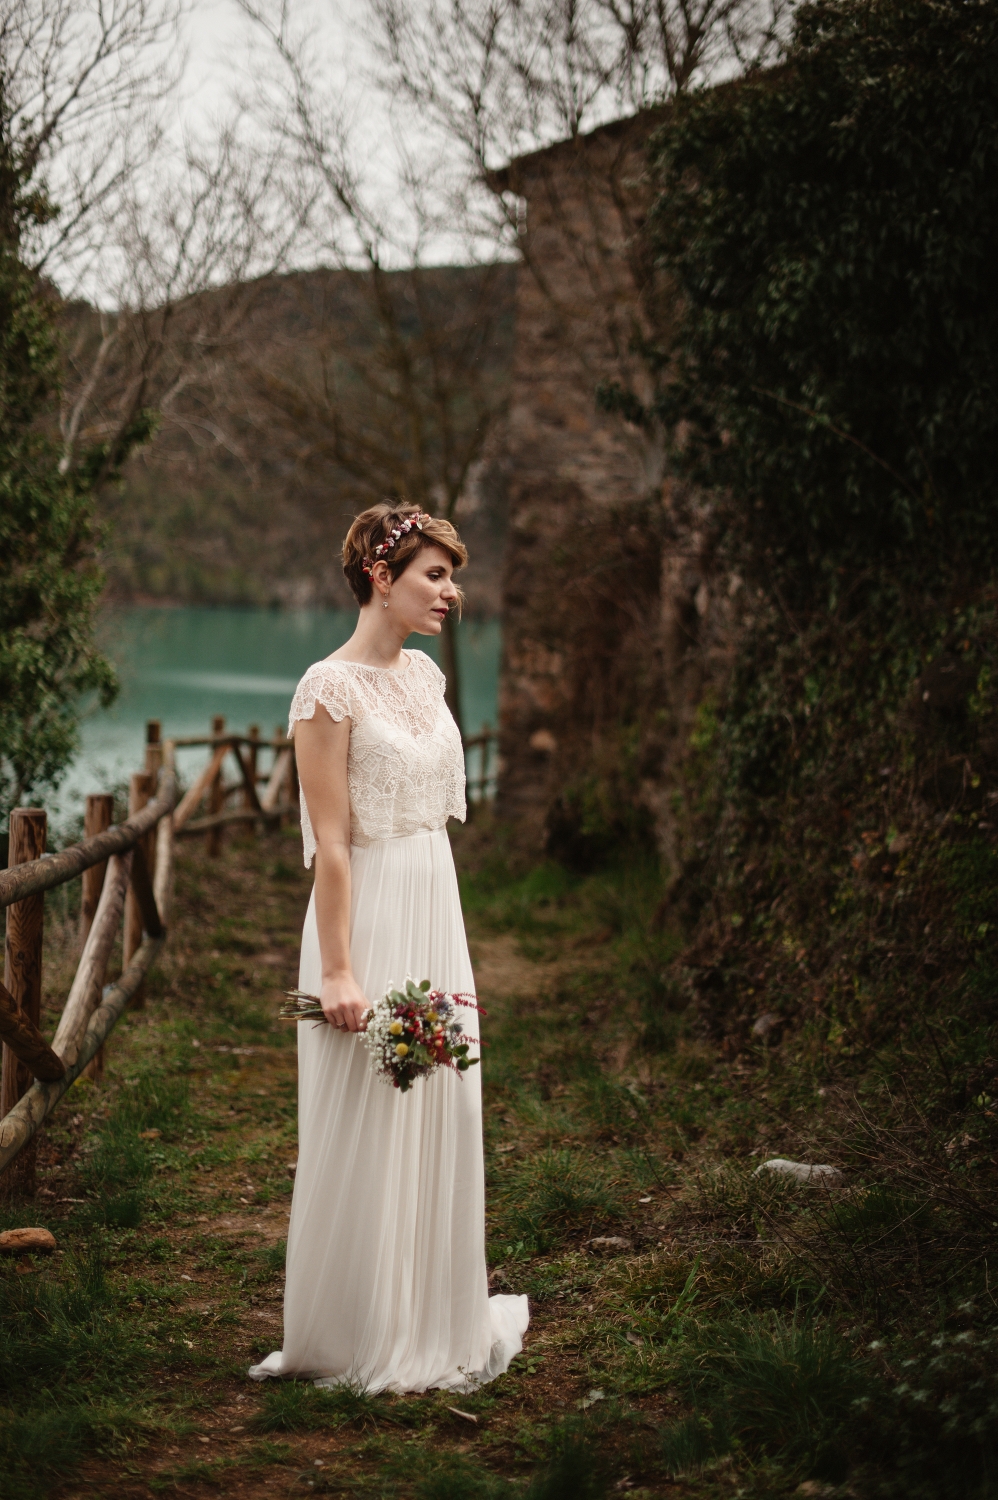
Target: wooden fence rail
55, 869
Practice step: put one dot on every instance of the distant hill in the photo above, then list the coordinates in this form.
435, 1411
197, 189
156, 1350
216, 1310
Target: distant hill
245, 494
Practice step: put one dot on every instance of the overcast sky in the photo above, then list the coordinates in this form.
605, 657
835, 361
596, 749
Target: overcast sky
222, 47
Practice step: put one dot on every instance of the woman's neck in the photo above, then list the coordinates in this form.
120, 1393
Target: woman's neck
375, 642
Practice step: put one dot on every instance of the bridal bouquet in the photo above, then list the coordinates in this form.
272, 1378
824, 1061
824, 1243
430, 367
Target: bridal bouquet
409, 1032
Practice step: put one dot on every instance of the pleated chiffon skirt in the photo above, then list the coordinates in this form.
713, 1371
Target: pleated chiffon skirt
386, 1279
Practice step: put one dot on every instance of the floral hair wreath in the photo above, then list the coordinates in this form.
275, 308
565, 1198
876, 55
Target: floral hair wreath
403, 529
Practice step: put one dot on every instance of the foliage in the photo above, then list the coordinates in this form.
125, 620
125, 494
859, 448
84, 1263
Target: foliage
828, 227
830, 383
49, 580
49, 584
938, 1422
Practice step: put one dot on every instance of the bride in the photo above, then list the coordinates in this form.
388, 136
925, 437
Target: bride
386, 1280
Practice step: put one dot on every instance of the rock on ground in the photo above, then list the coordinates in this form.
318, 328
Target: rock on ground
802, 1171
609, 1244
26, 1242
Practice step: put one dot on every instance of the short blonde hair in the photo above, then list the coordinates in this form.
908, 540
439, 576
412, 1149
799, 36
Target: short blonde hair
375, 525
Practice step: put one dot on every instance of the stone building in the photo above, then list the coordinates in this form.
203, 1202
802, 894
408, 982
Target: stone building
597, 612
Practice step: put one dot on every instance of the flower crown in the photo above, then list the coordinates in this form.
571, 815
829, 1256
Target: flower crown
402, 529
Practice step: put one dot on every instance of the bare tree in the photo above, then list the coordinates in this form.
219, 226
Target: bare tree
180, 276
504, 77
506, 80
155, 243
83, 80
387, 377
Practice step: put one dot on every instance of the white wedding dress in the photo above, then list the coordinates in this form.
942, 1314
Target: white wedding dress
386, 1280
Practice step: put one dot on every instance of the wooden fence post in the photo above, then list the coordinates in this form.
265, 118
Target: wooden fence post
23, 978
140, 789
252, 754
282, 742
216, 793
154, 749
98, 816
484, 764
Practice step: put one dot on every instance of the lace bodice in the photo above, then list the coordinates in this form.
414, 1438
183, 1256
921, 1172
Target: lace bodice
405, 765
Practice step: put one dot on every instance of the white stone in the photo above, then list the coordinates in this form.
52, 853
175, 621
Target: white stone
802, 1171
609, 1244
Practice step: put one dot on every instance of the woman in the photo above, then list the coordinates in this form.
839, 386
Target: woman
386, 1279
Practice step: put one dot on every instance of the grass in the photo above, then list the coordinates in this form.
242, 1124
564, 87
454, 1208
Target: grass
298, 1407
778, 1387
749, 1334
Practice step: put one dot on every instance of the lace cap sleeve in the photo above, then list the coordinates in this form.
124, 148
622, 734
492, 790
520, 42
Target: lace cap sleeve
327, 683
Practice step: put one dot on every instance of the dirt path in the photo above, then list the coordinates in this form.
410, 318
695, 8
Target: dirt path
179, 1173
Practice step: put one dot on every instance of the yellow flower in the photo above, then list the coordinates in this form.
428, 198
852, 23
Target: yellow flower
396, 1028
401, 1050
431, 1015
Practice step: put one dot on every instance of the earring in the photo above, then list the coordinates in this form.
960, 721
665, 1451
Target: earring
384, 602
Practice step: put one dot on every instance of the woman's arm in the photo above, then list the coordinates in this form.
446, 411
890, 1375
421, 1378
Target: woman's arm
321, 746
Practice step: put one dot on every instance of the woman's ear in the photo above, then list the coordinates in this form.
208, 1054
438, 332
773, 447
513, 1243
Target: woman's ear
381, 577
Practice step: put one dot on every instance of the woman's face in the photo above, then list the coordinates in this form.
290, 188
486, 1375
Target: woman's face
422, 596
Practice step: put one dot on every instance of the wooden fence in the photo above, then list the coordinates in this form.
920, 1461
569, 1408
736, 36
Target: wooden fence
240, 800
127, 872
482, 788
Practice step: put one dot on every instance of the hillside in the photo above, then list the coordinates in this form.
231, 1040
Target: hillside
305, 415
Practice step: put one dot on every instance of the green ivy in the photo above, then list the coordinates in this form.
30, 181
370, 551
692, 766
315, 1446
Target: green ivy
830, 227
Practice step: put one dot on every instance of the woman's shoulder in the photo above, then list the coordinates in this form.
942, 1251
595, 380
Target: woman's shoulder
426, 667
329, 666
326, 682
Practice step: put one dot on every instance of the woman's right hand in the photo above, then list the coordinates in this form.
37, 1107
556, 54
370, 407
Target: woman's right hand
344, 1003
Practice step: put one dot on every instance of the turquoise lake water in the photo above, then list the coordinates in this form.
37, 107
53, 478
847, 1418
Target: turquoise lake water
183, 666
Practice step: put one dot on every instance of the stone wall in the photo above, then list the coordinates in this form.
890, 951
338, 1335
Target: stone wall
612, 622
